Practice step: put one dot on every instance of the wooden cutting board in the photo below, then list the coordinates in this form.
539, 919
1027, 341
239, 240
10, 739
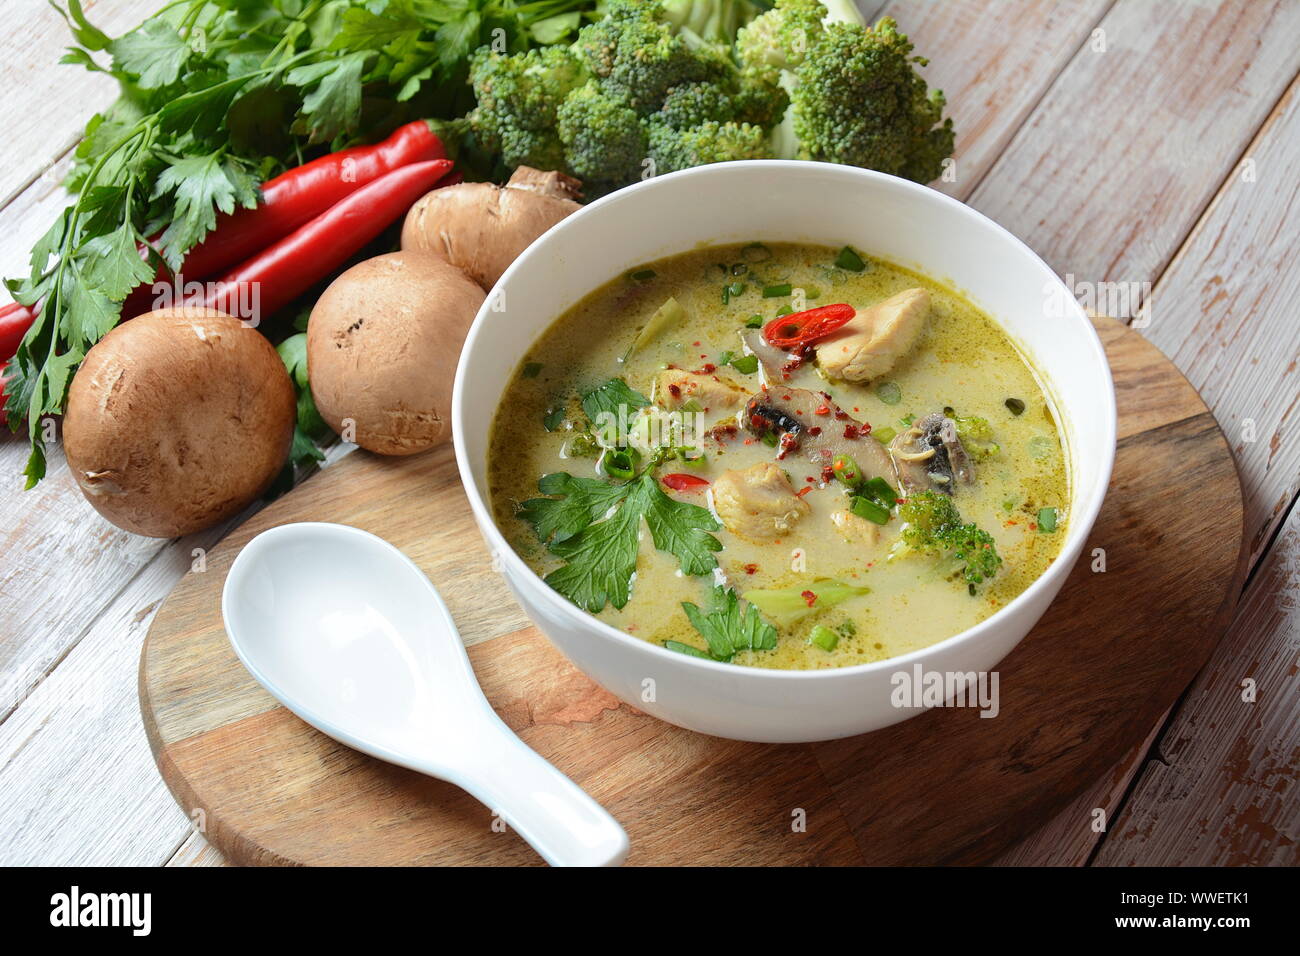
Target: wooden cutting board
1113, 652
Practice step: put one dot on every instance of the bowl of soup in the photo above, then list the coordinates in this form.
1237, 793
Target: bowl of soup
784, 451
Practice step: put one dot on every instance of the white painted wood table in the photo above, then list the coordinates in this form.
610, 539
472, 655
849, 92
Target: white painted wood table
1154, 142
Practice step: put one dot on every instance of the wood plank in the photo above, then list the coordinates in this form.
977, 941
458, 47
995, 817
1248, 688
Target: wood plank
1225, 312
993, 76
1227, 791
1129, 145
80, 785
48, 104
1071, 837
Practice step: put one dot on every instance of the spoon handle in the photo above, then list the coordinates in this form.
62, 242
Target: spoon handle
556, 816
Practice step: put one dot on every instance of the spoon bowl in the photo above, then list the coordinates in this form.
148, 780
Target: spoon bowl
347, 633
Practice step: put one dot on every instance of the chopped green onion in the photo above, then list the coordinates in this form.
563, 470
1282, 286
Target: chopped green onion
948, 411
777, 291
553, 418
883, 435
784, 310
725, 358
532, 369
620, 462
642, 275
849, 259
878, 489
1047, 520
745, 364
755, 321
906, 420
823, 637
732, 290
681, 648
1016, 406
696, 462
889, 393
847, 470
690, 405
769, 438
756, 252
871, 510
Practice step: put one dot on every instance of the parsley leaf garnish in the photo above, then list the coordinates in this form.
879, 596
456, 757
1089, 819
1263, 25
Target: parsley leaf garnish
609, 396
600, 552
581, 501
727, 628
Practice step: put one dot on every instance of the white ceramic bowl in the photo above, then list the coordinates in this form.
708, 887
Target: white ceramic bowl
883, 216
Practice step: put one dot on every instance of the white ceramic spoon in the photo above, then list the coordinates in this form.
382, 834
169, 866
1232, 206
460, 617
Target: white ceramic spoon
352, 637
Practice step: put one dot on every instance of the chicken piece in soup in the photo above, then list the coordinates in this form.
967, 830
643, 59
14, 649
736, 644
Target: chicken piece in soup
780, 455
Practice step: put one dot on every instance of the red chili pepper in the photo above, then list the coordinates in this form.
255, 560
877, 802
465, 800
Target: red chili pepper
15, 320
279, 274
794, 331
681, 482
292, 199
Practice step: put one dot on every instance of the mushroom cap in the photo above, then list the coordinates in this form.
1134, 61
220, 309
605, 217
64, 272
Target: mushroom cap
382, 346
480, 227
177, 420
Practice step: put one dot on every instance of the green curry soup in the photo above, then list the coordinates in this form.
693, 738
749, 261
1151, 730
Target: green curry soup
881, 478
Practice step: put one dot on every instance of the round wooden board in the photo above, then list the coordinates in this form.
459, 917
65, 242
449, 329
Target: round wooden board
1112, 654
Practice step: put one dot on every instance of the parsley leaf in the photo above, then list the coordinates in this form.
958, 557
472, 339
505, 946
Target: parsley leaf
609, 396
334, 103
581, 501
153, 52
727, 628
601, 555
114, 266
201, 185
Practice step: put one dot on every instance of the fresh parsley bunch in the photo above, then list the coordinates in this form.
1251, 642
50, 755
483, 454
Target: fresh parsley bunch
218, 96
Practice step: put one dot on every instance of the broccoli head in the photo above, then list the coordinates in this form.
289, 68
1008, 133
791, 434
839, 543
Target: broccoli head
933, 526
976, 435
694, 103
782, 36
636, 55
760, 99
709, 142
519, 98
858, 100
603, 137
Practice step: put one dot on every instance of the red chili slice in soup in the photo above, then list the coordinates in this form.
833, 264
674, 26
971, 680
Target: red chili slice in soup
791, 332
680, 482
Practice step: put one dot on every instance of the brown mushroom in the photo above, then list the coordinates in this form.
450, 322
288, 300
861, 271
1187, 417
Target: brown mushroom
482, 228
382, 346
177, 420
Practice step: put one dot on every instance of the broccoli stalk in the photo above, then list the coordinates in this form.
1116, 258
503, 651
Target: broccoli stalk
933, 526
